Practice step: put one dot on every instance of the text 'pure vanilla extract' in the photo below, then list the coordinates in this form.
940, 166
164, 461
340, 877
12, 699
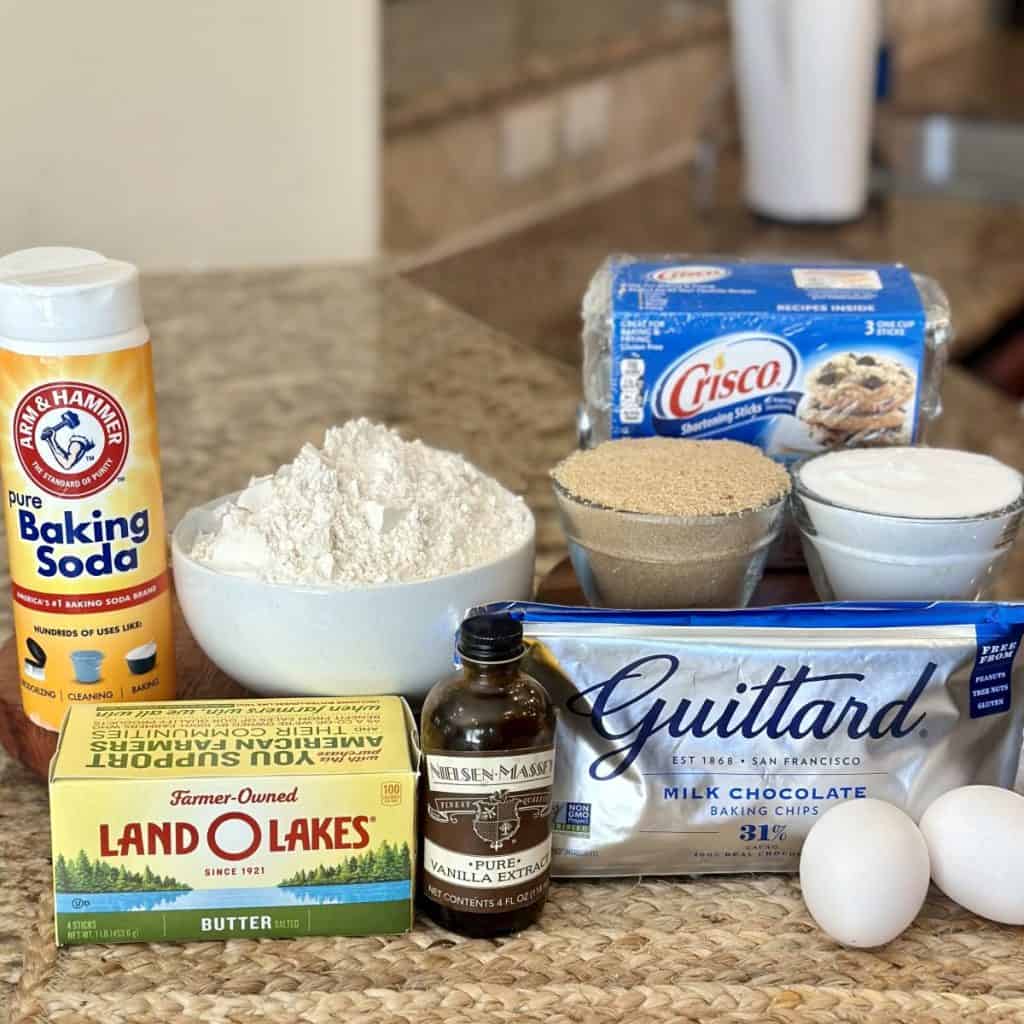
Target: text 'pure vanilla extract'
488, 738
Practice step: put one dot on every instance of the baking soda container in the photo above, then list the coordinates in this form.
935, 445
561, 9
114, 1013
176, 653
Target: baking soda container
81, 483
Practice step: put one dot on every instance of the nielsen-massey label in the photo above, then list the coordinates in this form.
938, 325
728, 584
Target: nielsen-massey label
487, 829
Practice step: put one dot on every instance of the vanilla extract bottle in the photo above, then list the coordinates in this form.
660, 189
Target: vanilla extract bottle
488, 738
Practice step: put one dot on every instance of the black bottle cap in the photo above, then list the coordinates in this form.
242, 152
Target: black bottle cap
37, 656
491, 638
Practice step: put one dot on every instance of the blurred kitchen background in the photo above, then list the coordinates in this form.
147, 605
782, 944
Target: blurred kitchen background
495, 150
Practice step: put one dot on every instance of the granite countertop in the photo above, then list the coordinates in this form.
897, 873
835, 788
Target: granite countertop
529, 283
973, 249
251, 365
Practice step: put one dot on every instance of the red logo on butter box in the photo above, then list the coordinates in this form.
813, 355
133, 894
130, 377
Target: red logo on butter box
71, 438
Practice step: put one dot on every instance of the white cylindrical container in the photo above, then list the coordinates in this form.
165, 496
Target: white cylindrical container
81, 473
805, 73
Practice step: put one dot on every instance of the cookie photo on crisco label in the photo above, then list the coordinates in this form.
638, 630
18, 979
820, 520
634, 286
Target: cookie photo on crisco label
864, 437
861, 382
858, 398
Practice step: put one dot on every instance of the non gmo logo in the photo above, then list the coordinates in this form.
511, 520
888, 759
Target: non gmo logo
726, 370
688, 275
71, 438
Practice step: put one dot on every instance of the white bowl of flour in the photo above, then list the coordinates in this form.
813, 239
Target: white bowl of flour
349, 570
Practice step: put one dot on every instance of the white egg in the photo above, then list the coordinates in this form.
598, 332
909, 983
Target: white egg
864, 872
975, 837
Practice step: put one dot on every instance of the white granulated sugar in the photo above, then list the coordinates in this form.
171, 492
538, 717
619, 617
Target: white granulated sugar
366, 508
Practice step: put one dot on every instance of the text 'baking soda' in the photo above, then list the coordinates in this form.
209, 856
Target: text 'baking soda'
82, 493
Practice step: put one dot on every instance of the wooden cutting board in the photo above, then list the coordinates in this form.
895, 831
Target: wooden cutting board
200, 679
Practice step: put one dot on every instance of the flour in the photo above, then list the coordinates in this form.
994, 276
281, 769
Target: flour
366, 508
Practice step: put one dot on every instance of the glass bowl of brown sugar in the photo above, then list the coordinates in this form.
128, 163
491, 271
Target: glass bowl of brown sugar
666, 523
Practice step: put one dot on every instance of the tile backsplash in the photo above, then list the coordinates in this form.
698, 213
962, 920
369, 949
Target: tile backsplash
444, 44
496, 112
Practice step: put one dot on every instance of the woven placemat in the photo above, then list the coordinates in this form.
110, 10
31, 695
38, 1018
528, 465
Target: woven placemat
699, 949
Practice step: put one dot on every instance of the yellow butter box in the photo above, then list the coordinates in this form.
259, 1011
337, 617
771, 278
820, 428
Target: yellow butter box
234, 819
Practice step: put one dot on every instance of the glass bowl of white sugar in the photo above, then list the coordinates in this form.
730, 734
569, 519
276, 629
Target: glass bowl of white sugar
906, 524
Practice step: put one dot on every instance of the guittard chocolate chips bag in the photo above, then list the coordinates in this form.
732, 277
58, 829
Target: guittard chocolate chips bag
712, 741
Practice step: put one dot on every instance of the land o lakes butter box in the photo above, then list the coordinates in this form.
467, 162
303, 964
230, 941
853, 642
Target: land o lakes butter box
229, 819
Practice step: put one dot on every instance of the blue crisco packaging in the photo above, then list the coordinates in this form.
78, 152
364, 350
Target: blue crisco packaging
712, 741
793, 357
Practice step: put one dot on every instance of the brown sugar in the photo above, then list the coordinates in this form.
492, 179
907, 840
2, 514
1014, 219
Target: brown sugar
675, 477
665, 523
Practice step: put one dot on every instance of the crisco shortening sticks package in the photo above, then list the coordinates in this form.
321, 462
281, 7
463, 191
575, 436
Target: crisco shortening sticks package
81, 475
712, 741
234, 819
794, 357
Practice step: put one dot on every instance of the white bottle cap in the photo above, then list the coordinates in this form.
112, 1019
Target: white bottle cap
55, 293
